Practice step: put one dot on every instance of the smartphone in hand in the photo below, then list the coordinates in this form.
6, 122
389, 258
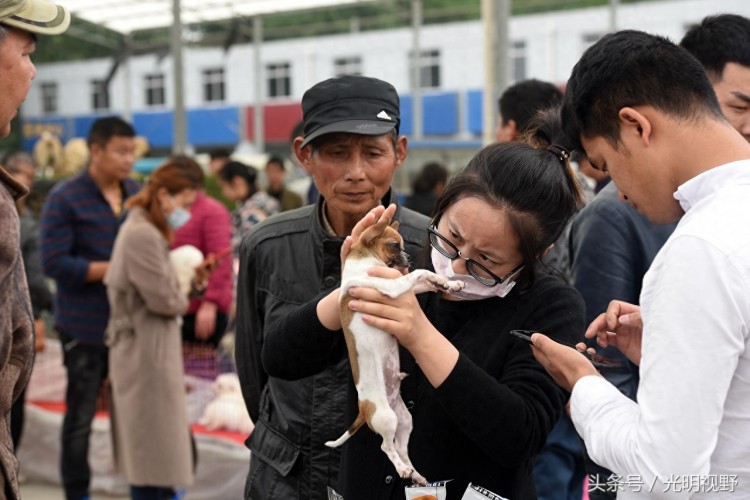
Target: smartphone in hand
213, 260
596, 359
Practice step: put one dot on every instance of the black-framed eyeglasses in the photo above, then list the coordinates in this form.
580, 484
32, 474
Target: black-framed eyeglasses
475, 269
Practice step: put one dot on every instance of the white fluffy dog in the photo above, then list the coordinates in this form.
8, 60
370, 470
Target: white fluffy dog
227, 410
184, 260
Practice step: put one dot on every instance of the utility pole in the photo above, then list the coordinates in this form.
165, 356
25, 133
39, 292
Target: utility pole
179, 144
495, 21
416, 69
613, 5
258, 73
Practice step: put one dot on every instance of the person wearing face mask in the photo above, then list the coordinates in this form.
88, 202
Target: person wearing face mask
152, 436
209, 230
481, 409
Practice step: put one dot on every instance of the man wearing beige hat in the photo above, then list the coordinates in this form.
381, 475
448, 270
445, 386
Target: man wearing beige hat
20, 20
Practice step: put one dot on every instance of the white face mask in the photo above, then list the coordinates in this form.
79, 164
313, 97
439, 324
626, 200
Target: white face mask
179, 216
474, 289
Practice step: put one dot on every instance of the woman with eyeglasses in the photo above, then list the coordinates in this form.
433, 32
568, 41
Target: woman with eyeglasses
482, 407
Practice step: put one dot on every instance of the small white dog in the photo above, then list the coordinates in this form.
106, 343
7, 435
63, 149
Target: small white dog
374, 353
184, 260
227, 410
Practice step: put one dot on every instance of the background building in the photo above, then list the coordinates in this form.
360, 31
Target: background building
219, 84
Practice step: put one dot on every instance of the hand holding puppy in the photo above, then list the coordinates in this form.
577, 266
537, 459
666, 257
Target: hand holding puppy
328, 307
401, 316
372, 217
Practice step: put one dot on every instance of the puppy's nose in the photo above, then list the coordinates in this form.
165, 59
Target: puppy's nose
401, 261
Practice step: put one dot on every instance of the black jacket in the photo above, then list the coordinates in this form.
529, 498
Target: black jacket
288, 260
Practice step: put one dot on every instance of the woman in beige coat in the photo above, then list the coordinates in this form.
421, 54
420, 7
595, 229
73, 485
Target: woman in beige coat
151, 431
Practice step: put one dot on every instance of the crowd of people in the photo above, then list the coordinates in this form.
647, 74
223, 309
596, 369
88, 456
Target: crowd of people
650, 271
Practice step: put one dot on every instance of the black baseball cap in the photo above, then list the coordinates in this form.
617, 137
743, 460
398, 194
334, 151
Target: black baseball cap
350, 104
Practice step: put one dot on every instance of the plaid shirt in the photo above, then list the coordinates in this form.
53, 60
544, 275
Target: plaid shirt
77, 227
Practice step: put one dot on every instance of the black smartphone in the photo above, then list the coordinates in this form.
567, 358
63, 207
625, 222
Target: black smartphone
596, 359
524, 335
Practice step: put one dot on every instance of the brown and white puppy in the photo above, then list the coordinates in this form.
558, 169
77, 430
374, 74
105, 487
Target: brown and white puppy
373, 353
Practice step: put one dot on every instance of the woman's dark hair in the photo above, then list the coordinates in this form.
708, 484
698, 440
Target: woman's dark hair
531, 181
237, 169
171, 175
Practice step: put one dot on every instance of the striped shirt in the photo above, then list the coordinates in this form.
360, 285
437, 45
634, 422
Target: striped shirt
77, 227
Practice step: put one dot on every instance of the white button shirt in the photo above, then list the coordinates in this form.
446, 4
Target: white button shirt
689, 434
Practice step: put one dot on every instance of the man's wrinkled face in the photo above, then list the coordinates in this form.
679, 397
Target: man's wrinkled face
353, 172
733, 92
16, 73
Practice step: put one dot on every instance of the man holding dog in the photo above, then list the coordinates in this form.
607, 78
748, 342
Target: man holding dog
352, 148
20, 21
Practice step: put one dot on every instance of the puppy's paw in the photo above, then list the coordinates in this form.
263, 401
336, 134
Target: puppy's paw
438, 282
443, 284
455, 286
417, 478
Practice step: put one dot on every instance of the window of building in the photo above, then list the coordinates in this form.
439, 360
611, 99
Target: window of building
279, 79
213, 85
429, 68
49, 98
99, 95
518, 61
155, 95
347, 66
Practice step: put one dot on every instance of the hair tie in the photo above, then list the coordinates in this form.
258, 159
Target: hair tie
559, 151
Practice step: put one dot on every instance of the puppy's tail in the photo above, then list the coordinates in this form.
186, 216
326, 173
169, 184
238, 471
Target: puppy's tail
358, 422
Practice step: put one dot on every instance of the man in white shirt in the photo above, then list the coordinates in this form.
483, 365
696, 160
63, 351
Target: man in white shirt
651, 118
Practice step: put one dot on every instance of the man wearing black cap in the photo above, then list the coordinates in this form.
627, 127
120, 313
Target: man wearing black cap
352, 148
20, 20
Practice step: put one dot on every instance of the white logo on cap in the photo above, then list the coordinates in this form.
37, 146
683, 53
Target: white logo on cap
384, 116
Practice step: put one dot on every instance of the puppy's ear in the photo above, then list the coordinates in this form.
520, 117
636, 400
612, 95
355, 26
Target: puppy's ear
394, 225
374, 232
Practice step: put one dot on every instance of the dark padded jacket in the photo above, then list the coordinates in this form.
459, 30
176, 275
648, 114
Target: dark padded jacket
288, 260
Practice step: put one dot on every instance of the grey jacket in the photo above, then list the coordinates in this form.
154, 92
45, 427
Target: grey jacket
16, 327
288, 260
150, 423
